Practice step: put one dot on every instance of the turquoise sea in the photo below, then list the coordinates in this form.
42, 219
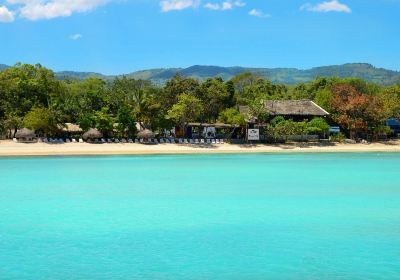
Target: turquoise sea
258, 216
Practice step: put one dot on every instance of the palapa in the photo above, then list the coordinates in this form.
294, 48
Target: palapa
145, 134
92, 133
25, 133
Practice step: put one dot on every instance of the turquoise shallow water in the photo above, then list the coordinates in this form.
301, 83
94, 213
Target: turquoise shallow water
280, 216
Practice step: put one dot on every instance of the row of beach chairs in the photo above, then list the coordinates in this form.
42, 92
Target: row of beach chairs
123, 141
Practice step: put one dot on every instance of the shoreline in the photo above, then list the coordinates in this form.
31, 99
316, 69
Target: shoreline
9, 148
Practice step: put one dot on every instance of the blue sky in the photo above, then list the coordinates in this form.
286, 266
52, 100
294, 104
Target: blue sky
121, 36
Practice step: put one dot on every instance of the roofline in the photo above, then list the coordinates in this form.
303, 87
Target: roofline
320, 107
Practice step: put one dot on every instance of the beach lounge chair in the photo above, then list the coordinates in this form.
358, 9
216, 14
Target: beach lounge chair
103, 140
123, 140
180, 141
222, 141
156, 141
141, 140
136, 141
202, 141
130, 140
109, 140
116, 140
15, 140
161, 141
67, 140
196, 141
213, 141
185, 141
217, 141
167, 141
191, 141
44, 140
80, 140
74, 140
208, 141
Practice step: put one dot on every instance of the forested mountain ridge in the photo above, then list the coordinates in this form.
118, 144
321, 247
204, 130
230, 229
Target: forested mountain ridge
289, 76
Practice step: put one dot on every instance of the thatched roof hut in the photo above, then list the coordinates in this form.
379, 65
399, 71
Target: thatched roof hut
293, 108
92, 133
287, 108
70, 127
25, 135
145, 134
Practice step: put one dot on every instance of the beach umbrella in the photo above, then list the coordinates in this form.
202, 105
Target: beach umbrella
25, 133
92, 133
145, 134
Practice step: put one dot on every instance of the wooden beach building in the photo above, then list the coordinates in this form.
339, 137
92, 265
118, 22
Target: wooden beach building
297, 110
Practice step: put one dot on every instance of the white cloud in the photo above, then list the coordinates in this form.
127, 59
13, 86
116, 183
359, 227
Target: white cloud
226, 5
6, 15
76, 37
328, 6
171, 5
258, 13
212, 6
239, 3
48, 9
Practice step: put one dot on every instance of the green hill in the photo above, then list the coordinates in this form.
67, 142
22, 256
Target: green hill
278, 75
79, 75
288, 76
3, 67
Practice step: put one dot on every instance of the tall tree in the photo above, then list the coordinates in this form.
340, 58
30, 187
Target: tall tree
188, 108
215, 98
42, 120
355, 111
176, 86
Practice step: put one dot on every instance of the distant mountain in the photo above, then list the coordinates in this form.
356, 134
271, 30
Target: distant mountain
79, 75
3, 67
288, 76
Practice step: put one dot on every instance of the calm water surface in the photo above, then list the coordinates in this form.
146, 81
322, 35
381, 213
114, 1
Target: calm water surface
280, 216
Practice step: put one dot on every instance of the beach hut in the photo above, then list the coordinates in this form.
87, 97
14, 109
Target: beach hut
25, 135
297, 110
92, 134
145, 134
71, 128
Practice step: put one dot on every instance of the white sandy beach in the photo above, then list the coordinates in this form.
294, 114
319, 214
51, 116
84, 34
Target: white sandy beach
10, 148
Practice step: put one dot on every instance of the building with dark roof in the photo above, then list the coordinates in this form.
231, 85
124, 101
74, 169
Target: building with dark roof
290, 109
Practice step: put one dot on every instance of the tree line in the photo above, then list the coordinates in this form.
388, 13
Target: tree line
31, 96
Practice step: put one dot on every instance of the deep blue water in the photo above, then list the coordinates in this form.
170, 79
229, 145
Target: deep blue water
260, 216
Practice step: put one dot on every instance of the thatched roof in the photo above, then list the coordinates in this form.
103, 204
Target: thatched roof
146, 134
70, 127
288, 108
216, 125
25, 133
92, 134
294, 108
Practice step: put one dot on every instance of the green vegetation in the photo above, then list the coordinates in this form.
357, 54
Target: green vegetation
32, 96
